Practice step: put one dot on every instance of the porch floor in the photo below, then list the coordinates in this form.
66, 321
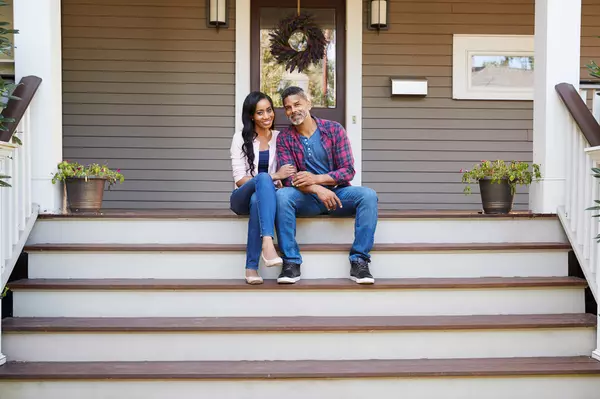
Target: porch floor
225, 213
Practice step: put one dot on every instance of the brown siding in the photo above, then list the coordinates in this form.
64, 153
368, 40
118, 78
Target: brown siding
149, 89
413, 149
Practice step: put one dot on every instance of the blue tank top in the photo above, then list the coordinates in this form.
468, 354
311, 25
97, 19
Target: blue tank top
263, 161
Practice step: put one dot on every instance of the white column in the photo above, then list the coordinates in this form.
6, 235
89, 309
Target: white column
354, 35
38, 53
557, 51
242, 58
2, 357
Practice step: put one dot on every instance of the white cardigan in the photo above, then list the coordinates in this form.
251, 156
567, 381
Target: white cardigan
239, 165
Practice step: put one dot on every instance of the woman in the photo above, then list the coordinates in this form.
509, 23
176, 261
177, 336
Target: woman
255, 176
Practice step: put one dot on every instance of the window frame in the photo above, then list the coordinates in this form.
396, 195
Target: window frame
464, 47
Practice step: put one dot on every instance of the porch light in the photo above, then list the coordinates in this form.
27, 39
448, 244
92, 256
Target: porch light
217, 13
378, 15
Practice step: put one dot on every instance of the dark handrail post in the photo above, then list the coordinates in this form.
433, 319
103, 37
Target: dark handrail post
15, 109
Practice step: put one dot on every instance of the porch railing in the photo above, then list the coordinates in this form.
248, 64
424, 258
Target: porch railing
17, 213
582, 188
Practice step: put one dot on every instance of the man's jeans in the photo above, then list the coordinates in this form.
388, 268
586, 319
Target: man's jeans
291, 202
257, 198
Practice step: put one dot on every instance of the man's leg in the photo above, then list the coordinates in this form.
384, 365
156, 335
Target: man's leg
290, 203
363, 202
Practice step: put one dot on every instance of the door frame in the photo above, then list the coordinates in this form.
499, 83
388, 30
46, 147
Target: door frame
339, 113
353, 79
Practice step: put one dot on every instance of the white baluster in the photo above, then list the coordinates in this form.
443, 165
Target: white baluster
27, 156
15, 191
594, 231
10, 208
5, 228
581, 199
596, 104
587, 225
573, 178
569, 172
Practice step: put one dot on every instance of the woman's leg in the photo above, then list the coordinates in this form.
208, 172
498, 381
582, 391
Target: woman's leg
267, 204
243, 202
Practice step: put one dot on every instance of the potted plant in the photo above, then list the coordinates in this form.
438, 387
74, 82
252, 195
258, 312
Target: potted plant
498, 182
85, 184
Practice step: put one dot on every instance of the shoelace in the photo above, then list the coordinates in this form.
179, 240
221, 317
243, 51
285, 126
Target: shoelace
362, 267
288, 267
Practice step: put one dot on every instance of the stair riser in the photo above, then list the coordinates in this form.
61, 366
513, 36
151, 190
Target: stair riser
49, 347
557, 387
324, 230
230, 265
290, 302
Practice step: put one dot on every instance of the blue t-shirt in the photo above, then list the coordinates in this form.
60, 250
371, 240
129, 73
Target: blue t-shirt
316, 159
263, 161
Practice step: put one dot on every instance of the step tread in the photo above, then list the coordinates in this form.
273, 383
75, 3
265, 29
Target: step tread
299, 324
227, 214
212, 370
313, 284
306, 247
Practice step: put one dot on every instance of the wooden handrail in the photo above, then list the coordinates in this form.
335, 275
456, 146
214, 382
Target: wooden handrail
15, 109
580, 112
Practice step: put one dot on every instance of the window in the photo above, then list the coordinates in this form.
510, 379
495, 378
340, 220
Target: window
492, 67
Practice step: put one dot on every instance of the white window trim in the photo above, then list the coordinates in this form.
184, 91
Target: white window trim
465, 46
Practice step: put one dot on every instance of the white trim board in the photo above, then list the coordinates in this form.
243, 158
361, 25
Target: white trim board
354, 20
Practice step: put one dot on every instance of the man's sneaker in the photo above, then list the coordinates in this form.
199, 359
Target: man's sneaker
359, 272
290, 273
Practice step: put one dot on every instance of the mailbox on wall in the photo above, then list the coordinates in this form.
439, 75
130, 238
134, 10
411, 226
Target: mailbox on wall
409, 86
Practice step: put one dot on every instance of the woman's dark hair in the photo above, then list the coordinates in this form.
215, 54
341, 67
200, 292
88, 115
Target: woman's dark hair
249, 131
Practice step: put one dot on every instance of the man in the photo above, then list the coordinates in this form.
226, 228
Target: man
320, 151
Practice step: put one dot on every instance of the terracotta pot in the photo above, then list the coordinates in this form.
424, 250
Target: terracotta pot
85, 196
496, 198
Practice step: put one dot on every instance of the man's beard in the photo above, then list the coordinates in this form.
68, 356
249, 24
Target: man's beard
297, 118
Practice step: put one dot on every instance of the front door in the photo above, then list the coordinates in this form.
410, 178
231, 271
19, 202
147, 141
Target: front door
324, 82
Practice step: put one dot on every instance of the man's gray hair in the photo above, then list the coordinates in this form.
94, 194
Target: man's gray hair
293, 91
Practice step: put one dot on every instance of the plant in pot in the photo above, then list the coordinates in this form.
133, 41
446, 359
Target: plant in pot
85, 184
498, 182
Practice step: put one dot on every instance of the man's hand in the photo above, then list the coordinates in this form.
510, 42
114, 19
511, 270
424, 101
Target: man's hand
305, 179
328, 198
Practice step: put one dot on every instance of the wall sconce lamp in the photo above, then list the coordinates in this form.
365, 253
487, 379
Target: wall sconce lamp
379, 13
217, 13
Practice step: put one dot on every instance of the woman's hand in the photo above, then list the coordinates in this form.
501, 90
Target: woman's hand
284, 172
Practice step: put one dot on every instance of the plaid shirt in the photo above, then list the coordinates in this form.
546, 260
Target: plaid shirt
337, 146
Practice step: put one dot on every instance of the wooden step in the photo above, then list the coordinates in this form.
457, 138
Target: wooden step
225, 213
420, 247
295, 324
308, 369
323, 284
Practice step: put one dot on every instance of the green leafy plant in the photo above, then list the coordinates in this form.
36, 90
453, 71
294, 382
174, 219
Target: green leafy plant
515, 173
74, 170
4, 292
2, 182
7, 88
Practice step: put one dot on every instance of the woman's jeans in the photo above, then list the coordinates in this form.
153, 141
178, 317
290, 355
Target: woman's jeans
256, 198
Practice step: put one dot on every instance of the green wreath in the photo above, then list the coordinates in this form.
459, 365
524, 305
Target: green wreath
285, 54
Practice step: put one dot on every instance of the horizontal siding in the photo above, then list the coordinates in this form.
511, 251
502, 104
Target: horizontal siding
149, 89
414, 148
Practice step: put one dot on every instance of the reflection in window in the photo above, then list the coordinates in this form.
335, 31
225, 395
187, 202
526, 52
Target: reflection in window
318, 80
502, 71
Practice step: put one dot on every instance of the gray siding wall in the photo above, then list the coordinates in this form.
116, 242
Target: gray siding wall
149, 89
413, 148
